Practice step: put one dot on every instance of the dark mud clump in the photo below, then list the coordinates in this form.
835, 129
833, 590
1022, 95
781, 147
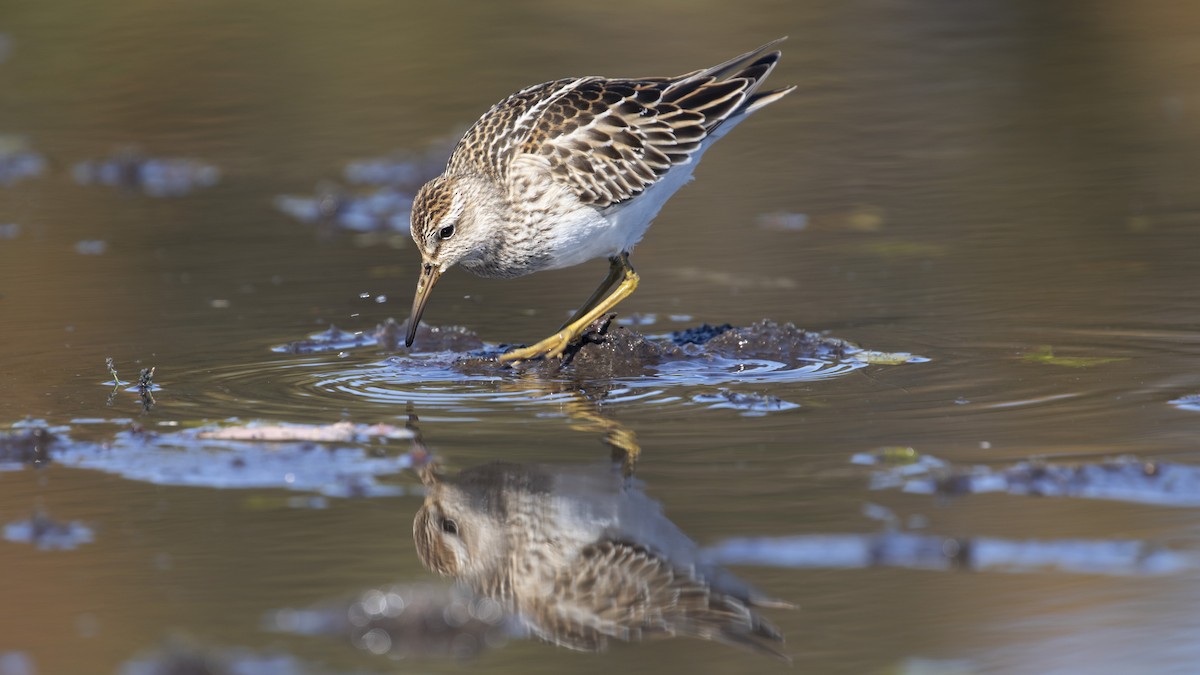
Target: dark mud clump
769, 340
620, 352
604, 351
698, 335
26, 446
608, 351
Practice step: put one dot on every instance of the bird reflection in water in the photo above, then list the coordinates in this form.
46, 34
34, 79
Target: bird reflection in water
582, 556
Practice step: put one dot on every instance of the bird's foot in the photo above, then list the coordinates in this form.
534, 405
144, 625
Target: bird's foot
564, 344
550, 348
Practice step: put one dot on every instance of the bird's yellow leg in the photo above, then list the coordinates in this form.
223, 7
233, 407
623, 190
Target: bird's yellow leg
586, 416
615, 272
556, 344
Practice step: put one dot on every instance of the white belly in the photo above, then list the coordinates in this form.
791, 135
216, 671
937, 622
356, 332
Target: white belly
595, 233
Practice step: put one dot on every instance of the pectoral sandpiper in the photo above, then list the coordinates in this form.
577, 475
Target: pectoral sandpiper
575, 169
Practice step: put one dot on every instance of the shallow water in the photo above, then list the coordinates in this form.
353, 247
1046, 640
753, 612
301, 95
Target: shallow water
1006, 190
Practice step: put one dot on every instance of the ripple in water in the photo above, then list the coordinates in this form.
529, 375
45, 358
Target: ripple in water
687, 371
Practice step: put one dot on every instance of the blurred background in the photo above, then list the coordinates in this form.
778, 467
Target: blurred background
1008, 189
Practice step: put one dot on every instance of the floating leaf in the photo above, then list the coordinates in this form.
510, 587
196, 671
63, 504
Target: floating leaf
885, 358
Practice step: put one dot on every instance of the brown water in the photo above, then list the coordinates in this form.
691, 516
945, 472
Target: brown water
980, 180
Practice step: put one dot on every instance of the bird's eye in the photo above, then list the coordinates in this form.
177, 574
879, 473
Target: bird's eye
446, 232
449, 526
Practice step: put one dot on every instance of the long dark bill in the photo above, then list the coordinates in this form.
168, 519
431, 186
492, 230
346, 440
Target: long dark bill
429, 277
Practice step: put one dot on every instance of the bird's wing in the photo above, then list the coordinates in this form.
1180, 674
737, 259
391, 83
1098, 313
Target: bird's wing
608, 140
625, 591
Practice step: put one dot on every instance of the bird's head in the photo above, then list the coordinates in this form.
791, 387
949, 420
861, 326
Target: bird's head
448, 228
456, 532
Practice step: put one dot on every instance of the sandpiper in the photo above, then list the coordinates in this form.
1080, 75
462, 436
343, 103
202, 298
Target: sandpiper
582, 555
575, 169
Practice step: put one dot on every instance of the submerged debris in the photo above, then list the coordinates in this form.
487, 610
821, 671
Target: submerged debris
130, 169
27, 445
752, 403
112, 370
48, 534
17, 160
407, 621
933, 552
385, 207
177, 658
1125, 479
146, 387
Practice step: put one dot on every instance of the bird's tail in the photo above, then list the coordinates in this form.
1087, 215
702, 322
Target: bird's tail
730, 89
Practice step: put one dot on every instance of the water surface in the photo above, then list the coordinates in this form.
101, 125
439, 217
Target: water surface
1008, 190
